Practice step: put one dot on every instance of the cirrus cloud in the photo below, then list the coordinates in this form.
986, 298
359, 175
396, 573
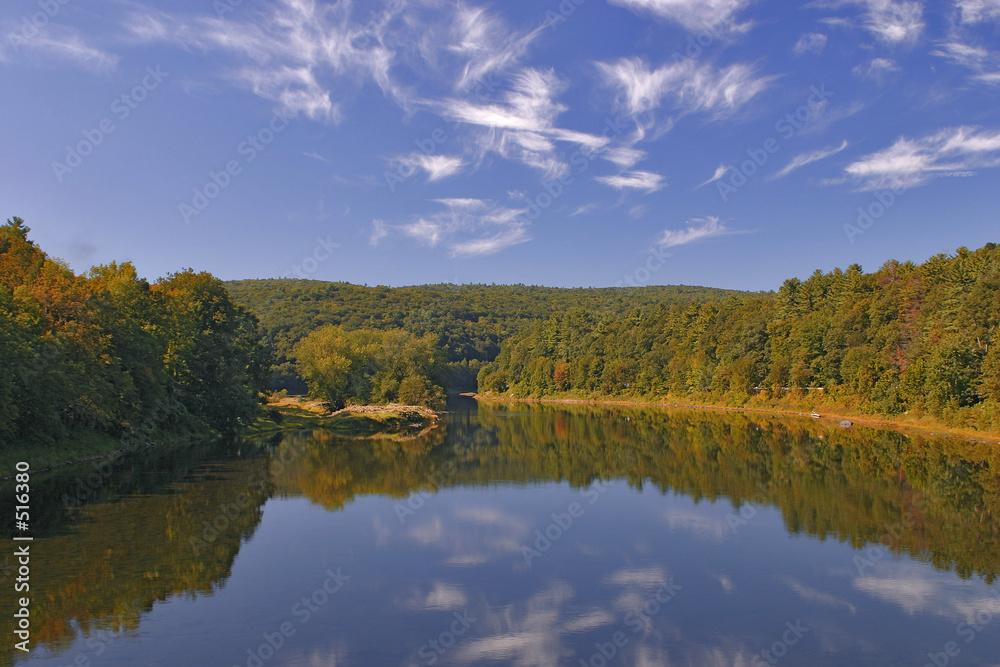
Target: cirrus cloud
698, 229
912, 162
467, 226
713, 16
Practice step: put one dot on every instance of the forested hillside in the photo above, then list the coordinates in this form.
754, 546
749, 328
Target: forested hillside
469, 321
906, 338
109, 353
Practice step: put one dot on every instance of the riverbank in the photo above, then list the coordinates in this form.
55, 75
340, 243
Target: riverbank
923, 425
289, 412
82, 447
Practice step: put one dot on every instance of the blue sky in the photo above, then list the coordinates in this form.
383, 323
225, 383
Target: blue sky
728, 143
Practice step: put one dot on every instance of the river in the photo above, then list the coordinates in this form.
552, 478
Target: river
519, 534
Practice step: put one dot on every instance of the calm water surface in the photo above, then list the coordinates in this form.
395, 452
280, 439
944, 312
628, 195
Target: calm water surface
524, 535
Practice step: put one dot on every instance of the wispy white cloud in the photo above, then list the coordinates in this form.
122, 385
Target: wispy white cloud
891, 21
436, 166
810, 42
316, 156
972, 57
492, 244
803, 159
625, 157
638, 211
54, 44
485, 42
720, 171
984, 64
690, 86
646, 578
311, 56
379, 232
826, 115
815, 595
911, 162
974, 11
698, 229
294, 88
464, 203
291, 53
712, 16
441, 597
832, 21
991, 78
894, 21
876, 69
521, 124
634, 180
466, 226
706, 527
529, 632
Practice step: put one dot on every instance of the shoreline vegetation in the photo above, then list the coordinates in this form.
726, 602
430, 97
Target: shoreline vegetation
908, 343
284, 413
281, 414
827, 413
103, 362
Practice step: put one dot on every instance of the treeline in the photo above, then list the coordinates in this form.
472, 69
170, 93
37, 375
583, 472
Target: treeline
365, 366
469, 322
907, 338
111, 354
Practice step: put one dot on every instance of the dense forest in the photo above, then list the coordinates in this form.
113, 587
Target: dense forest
110, 353
908, 338
469, 321
107, 353
365, 366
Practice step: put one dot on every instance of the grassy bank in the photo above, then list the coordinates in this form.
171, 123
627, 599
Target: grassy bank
291, 412
803, 406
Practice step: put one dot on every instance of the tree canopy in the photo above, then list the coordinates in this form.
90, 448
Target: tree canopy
918, 338
111, 353
372, 366
470, 322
